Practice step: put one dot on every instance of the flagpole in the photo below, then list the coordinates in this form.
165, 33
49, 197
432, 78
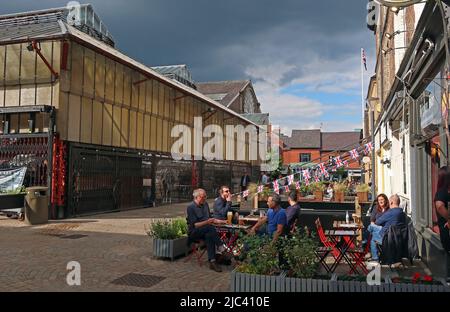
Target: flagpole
363, 106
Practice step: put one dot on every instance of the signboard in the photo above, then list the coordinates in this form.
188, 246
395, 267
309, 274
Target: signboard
12, 179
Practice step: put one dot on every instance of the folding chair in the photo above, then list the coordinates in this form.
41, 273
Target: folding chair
324, 239
322, 254
359, 255
197, 250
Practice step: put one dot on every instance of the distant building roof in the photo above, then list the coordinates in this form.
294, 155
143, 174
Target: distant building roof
51, 22
225, 92
340, 141
177, 72
258, 118
303, 139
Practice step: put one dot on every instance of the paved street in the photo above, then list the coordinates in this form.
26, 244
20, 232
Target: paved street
34, 258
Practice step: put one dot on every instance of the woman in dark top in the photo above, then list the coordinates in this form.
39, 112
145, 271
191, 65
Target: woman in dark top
441, 200
381, 207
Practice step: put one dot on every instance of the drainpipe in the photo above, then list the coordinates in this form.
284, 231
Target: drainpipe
51, 131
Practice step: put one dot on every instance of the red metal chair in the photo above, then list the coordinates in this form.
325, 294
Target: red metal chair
359, 255
197, 250
324, 239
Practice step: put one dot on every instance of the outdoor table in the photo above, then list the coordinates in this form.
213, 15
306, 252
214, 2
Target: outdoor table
249, 219
229, 234
343, 240
346, 226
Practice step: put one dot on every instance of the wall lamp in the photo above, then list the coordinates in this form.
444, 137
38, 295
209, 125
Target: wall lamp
386, 51
395, 33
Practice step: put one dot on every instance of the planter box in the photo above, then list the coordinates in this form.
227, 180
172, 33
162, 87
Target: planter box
363, 197
318, 195
170, 248
12, 201
243, 282
408, 287
339, 197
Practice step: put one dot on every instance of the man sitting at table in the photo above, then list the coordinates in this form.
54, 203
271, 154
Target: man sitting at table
222, 204
201, 227
393, 216
293, 211
276, 219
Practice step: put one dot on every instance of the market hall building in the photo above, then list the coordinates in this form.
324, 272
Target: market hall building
95, 125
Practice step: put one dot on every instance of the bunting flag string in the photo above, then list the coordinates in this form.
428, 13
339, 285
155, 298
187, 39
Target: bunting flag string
317, 171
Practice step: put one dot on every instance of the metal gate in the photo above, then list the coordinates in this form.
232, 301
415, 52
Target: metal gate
101, 181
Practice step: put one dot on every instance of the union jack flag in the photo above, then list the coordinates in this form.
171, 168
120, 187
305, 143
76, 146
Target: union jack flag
291, 179
364, 59
322, 168
346, 163
338, 162
276, 186
326, 175
246, 193
354, 153
306, 174
260, 188
368, 148
297, 184
286, 189
316, 178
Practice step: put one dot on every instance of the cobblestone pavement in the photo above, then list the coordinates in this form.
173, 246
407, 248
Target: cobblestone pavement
34, 258
107, 246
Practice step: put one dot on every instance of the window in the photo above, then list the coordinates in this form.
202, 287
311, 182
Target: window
305, 157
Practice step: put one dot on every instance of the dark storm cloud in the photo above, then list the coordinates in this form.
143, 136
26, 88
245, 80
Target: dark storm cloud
220, 40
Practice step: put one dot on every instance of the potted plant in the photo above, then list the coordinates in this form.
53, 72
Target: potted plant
169, 238
305, 190
339, 191
318, 188
362, 191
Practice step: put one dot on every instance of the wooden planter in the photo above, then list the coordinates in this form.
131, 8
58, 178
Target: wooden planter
170, 248
12, 201
407, 287
363, 197
318, 195
339, 197
243, 282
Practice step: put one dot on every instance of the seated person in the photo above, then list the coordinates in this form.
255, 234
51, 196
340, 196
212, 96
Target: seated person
293, 211
276, 218
222, 204
329, 192
393, 216
201, 227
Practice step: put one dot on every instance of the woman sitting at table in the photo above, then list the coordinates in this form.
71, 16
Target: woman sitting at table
381, 207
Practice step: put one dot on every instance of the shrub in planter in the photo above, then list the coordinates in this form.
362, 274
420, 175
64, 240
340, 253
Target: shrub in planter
259, 256
318, 188
362, 192
339, 191
169, 238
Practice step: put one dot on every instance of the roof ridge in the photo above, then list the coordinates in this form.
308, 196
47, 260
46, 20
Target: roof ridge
224, 81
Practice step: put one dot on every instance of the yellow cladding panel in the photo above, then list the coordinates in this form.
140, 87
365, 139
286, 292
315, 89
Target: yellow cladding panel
44, 94
89, 67
100, 77
2, 96
2, 63
148, 95
43, 73
12, 96
126, 86
133, 125
97, 122
155, 97
134, 90
153, 131
12, 63
86, 120
62, 115
118, 91
27, 66
77, 68
107, 124
28, 95
166, 102
140, 131
142, 93
124, 127
161, 103
74, 118
159, 143
117, 119
146, 132
165, 146
109, 88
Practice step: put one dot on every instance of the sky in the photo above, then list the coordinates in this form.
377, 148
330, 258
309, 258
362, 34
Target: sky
303, 57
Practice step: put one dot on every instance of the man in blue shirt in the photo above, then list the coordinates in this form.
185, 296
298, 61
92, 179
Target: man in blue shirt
393, 216
276, 218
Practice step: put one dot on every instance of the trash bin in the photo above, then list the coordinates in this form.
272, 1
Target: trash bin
36, 205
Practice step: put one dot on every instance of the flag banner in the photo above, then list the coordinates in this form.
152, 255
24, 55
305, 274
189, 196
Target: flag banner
260, 188
338, 162
364, 59
354, 154
246, 193
276, 186
306, 182
291, 179
297, 184
306, 174
322, 168
316, 178
368, 148
12, 179
286, 189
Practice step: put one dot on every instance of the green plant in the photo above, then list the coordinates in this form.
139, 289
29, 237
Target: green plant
168, 229
340, 187
361, 188
259, 256
298, 255
305, 190
317, 187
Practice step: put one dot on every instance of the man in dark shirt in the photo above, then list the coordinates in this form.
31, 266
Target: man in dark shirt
293, 211
201, 226
222, 204
393, 216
